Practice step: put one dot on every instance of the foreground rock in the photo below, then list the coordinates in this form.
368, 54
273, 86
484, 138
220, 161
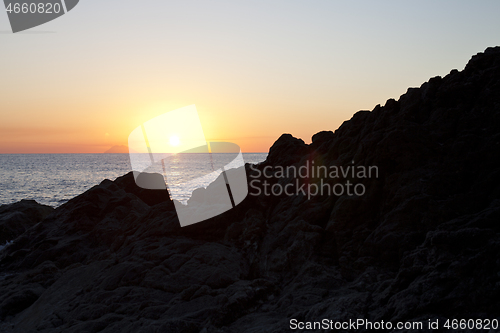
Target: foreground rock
16, 218
421, 243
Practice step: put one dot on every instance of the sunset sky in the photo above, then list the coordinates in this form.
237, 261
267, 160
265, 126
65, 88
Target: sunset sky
254, 69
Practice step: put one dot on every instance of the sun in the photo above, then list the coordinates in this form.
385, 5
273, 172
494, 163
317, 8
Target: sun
174, 140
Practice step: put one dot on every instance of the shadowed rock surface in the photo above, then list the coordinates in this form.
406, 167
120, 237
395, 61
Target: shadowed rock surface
16, 218
421, 243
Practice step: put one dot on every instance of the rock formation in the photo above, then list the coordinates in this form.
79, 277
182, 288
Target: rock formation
16, 218
421, 243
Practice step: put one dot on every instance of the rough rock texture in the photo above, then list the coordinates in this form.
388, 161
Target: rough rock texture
421, 243
18, 217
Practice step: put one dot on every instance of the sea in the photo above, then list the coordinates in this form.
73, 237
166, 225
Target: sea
53, 179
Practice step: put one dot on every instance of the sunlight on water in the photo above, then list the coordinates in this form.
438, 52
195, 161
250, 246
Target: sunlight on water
53, 179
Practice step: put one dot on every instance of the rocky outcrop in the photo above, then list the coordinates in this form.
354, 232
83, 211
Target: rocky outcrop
421, 243
16, 218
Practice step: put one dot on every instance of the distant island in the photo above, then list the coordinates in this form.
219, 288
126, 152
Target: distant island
117, 150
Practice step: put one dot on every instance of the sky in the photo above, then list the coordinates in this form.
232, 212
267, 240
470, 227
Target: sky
254, 69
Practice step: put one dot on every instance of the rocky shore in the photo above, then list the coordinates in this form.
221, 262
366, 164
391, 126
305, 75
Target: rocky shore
421, 243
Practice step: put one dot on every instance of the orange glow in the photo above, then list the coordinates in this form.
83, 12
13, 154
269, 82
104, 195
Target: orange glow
295, 68
75, 123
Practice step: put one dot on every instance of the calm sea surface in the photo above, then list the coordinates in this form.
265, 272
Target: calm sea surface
53, 179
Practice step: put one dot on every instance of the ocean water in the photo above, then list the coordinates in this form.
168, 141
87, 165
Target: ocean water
53, 179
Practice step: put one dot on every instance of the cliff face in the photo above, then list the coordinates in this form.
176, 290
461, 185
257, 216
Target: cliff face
421, 243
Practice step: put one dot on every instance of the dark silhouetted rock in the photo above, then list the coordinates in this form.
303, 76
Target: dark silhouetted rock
421, 243
286, 151
18, 217
150, 197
